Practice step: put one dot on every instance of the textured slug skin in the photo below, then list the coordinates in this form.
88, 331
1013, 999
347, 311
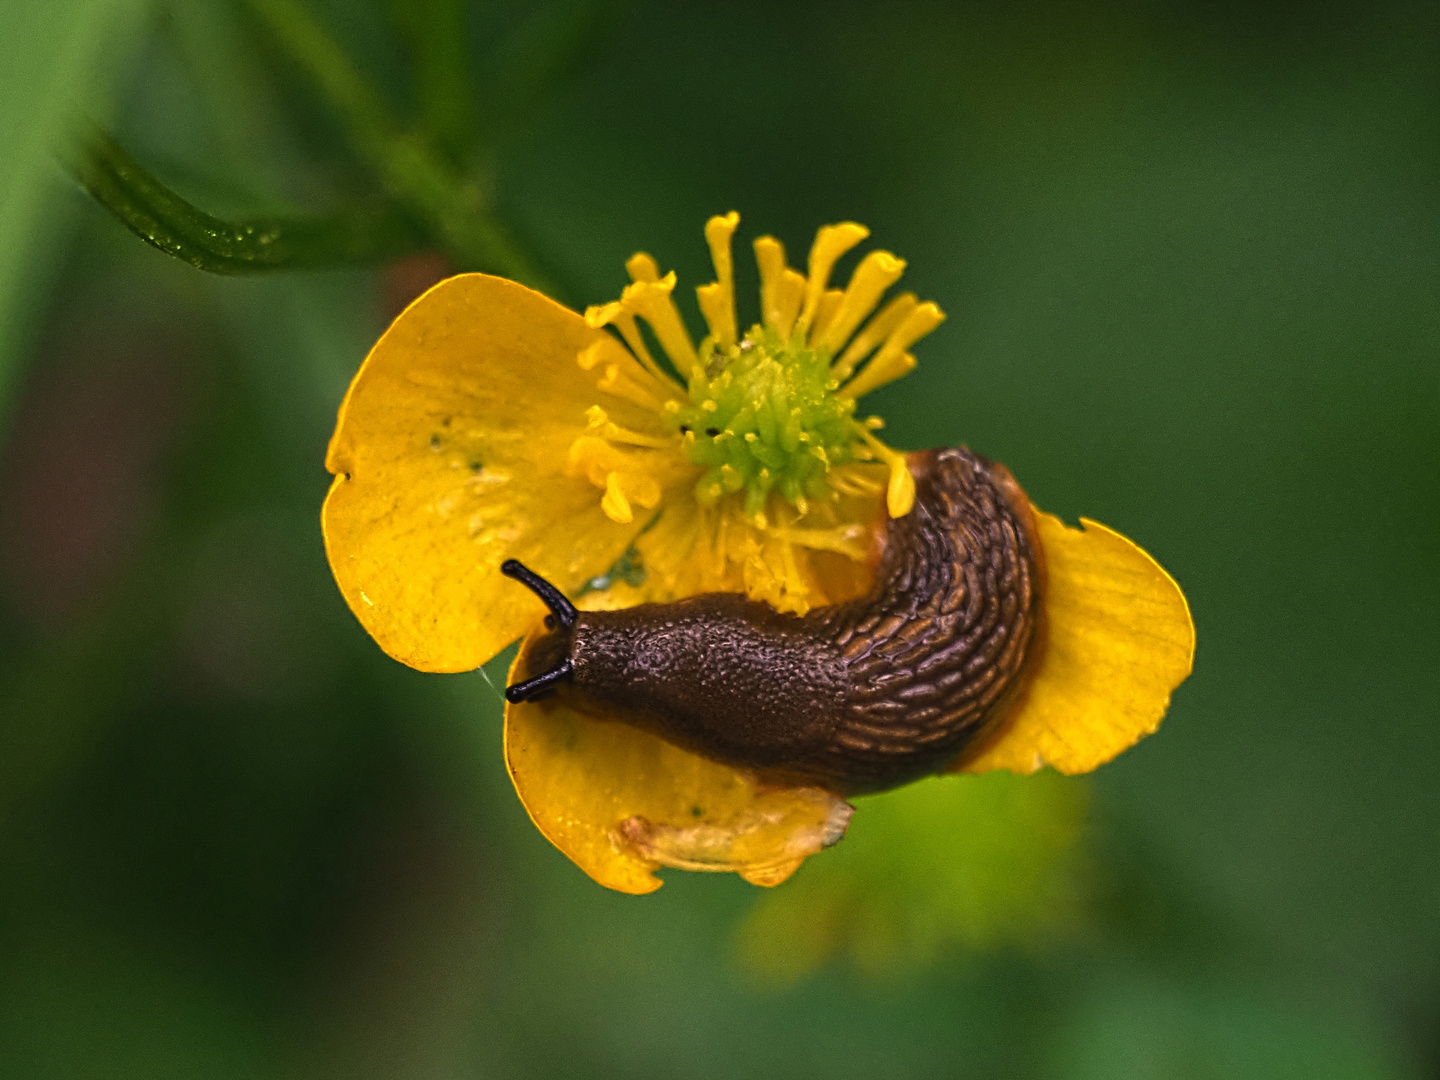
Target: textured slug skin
858, 696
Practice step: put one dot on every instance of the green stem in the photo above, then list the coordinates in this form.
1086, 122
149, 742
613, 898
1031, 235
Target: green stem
552, 45
409, 169
435, 33
162, 218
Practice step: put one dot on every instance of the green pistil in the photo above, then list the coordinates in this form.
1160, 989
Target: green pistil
762, 417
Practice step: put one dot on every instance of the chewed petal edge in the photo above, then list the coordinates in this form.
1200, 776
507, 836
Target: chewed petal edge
620, 803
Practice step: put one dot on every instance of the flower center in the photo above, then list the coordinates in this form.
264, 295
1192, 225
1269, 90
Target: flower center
772, 412
762, 416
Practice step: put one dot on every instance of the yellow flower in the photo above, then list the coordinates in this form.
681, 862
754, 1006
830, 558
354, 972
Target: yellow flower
491, 424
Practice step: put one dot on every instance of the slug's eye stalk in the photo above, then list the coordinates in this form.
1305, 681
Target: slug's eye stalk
533, 688
562, 615
562, 610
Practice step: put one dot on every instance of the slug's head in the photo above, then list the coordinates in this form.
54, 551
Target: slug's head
551, 655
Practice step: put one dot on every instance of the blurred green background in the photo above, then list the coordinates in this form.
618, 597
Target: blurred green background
1191, 259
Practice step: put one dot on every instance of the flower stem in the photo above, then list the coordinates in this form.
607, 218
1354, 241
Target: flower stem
435, 34
553, 44
409, 168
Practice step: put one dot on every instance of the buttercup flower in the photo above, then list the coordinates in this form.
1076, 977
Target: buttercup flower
491, 424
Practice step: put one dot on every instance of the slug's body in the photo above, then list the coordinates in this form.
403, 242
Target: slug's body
858, 696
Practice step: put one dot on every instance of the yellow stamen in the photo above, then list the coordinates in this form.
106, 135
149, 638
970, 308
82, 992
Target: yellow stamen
642, 267
787, 555
754, 541
614, 503
719, 314
614, 314
598, 421
591, 355
824, 312
592, 457
875, 332
847, 540
876, 273
892, 361
792, 294
616, 433
853, 482
831, 242
885, 368
625, 477
617, 382
900, 492
782, 290
630, 331
651, 300
598, 315
717, 301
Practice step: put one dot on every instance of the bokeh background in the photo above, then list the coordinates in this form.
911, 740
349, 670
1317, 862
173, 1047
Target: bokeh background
1191, 258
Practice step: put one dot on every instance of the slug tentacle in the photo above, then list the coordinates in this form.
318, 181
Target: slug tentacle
561, 610
858, 696
530, 689
560, 622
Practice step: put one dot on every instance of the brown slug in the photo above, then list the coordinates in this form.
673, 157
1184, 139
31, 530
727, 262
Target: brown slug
858, 696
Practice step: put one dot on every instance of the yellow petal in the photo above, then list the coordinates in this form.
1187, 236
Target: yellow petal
620, 803
1117, 640
450, 456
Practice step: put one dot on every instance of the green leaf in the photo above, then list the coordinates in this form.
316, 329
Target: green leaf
946, 865
162, 218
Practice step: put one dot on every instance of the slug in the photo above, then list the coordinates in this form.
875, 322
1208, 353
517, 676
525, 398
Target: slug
856, 697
